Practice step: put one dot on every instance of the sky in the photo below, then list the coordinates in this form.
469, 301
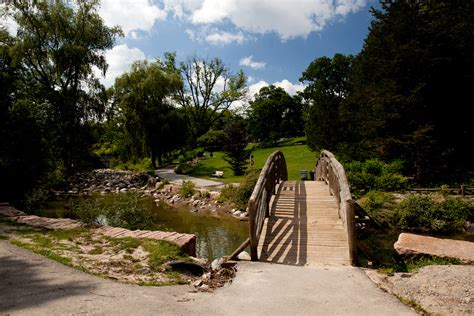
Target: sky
272, 41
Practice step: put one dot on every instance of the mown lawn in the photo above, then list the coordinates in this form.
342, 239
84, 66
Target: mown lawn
297, 157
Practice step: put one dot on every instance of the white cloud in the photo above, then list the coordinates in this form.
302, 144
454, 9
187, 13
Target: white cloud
287, 18
249, 62
120, 58
131, 15
289, 87
225, 38
7, 21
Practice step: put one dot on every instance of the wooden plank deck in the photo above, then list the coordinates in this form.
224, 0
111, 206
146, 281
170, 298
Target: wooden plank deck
304, 228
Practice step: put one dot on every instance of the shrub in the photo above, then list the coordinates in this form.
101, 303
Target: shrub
127, 212
88, 211
36, 199
124, 211
239, 196
421, 213
187, 188
381, 207
183, 168
375, 175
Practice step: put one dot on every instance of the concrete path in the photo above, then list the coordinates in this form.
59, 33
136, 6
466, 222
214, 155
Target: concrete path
33, 285
168, 173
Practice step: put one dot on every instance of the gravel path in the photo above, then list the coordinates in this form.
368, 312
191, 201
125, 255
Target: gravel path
33, 285
444, 290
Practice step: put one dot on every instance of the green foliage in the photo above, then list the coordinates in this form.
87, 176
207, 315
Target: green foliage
161, 251
143, 165
151, 123
327, 87
88, 211
128, 212
274, 114
421, 213
212, 141
125, 211
205, 102
187, 188
381, 207
374, 174
235, 147
239, 196
183, 168
36, 199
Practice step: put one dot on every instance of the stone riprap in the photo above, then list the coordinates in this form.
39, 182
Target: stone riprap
187, 242
413, 245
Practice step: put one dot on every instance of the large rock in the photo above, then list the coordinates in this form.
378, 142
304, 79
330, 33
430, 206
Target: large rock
412, 245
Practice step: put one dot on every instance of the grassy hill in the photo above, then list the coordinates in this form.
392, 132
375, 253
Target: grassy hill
297, 155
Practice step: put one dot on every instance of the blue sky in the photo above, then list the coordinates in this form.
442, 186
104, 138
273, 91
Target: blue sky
272, 41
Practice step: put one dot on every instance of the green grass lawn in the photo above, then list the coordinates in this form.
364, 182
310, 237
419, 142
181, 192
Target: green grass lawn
297, 157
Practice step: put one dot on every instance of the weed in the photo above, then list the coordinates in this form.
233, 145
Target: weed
48, 253
2, 237
187, 188
160, 252
97, 251
413, 304
128, 243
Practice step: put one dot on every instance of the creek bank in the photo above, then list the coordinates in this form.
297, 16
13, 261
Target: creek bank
106, 181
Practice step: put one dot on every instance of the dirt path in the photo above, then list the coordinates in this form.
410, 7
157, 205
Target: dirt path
31, 284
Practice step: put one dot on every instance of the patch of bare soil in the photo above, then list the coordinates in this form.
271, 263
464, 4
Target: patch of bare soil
438, 289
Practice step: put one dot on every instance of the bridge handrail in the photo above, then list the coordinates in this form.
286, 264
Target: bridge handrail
258, 207
332, 172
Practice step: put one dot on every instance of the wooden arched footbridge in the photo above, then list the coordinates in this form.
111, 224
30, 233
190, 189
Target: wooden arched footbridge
302, 222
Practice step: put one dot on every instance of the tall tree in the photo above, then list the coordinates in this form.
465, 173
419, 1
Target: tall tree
153, 125
413, 78
327, 87
57, 46
234, 146
273, 114
209, 90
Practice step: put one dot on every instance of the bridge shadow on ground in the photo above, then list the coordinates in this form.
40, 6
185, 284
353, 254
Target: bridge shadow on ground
26, 281
285, 238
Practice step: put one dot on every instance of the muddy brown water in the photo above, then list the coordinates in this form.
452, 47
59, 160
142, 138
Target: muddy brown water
217, 234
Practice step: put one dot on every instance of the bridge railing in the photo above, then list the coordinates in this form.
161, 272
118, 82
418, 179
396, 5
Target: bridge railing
332, 172
258, 208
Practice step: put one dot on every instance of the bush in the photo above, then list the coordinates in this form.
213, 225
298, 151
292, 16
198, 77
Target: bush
127, 212
239, 196
88, 211
381, 207
124, 211
187, 188
36, 199
375, 175
183, 168
421, 213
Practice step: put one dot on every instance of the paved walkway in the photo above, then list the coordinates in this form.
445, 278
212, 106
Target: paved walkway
168, 173
33, 285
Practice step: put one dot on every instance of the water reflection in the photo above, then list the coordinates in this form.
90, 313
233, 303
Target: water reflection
217, 234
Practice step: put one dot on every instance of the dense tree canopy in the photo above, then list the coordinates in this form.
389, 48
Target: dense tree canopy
152, 124
406, 95
327, 87
49, 90
274, 114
